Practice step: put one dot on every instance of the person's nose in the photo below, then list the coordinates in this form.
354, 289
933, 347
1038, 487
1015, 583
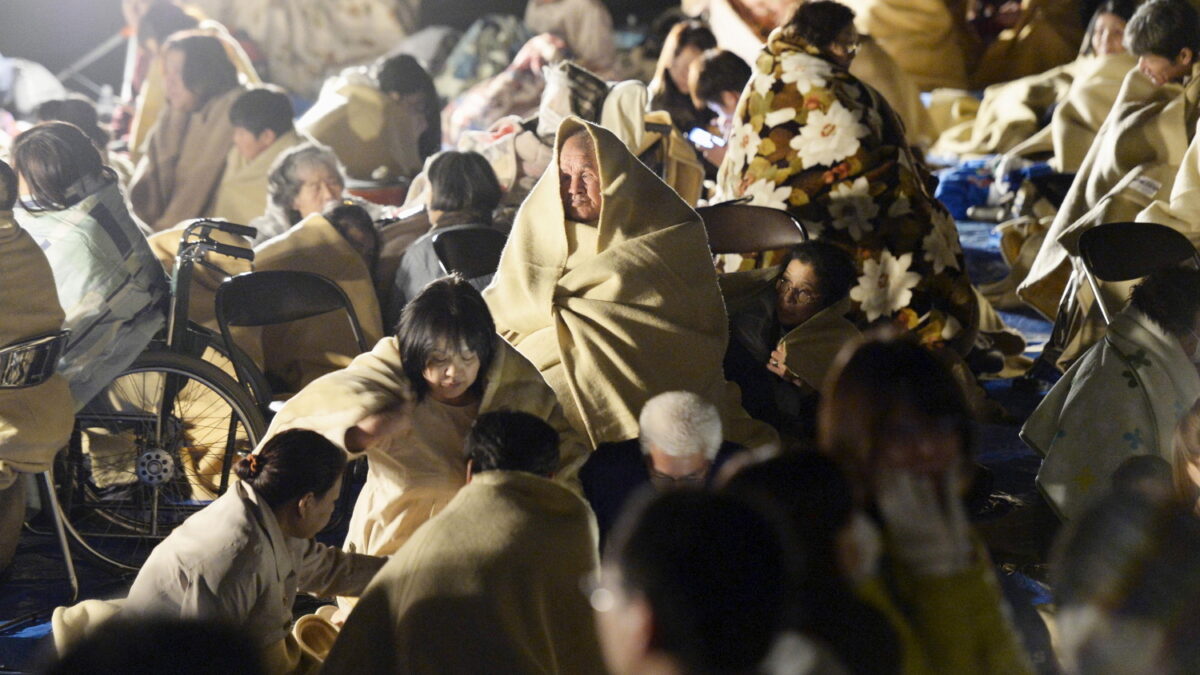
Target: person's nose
327, 192
576, 185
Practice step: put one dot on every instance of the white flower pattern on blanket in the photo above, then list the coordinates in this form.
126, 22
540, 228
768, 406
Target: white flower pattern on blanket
828, 137
885, 285
852, 207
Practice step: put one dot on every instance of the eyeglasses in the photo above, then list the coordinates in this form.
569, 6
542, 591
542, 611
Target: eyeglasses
787, 288
666, 480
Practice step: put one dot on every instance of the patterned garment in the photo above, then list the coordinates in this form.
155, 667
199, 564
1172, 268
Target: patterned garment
812, 139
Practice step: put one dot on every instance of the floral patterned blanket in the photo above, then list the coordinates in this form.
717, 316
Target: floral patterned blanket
812, 139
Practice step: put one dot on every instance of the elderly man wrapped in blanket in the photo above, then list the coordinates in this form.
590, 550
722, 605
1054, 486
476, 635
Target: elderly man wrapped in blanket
1124, 397
607, 286
35, 421
412, 435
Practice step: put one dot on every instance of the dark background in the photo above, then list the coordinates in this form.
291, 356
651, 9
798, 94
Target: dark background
55, 33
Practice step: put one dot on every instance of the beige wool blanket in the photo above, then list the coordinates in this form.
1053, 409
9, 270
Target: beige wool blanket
35, 421
640, 316
301, 351
405, 487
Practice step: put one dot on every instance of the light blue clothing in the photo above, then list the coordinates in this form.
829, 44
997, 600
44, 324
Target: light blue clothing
109, 283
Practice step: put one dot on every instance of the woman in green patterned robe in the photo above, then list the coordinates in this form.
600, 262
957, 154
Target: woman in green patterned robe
812, 139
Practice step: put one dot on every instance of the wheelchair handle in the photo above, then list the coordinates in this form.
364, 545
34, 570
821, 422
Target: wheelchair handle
231, 251
222, 225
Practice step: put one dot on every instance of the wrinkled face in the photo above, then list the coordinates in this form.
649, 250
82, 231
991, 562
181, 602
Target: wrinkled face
1108, 35
668, 471
579, 180
843, 49
796, 296
250, 146
678, 70
322, 509
318, 185
179, 97
450, 373
1161, 70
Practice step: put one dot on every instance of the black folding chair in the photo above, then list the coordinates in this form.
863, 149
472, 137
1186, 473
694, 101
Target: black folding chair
742, 228
472, 252
273, 297
1128, 251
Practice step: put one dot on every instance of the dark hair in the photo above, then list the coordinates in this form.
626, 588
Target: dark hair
158, 644
1119, 8
354, 223
686, 33
512, 441
447, 310
161, 20
831, 264
884, 374
1137, 559
715, 572
8, 187
1170, 297
292, 464
818, 22
815, 498
207, 70
1163, 28
53, 157
403, 74
719, 71
262, 108
463, 181
77, 110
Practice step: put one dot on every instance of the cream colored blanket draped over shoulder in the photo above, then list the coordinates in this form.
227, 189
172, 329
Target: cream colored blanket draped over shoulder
641, 316
35, 421
1132, 161
301, 351
390, 509
928, 38
1181, 210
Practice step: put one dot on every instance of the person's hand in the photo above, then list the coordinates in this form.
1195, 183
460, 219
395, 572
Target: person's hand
928, 534
715, 155
777, 364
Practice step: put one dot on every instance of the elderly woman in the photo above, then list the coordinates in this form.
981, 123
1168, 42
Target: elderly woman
670, 89
409, 403
1124, 396
300, 182
242, 559
896, 420
814, 140
787, 325
109, 282
177, 177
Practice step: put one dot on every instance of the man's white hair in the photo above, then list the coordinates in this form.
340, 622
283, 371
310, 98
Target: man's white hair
680, 424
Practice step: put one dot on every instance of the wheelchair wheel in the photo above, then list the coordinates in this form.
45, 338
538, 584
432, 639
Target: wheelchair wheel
157, 445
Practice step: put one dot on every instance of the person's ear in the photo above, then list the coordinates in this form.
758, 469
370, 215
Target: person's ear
267, 137
729, 99
1186, 56
470, 470
304, 506
639, 627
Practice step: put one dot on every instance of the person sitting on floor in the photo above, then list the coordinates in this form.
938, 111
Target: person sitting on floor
341, 245
787, 325
1124, 396
607, 285
110, 284
243, 558
679, 444
492, 582
463, 192
262, 129
409, 403
177, 177
382, 122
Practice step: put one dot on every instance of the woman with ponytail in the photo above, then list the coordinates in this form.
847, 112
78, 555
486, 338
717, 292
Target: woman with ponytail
242, 559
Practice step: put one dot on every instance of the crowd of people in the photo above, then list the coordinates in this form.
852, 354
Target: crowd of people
607, 449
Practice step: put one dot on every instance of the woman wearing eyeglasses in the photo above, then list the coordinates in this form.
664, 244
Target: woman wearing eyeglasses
812, 139
787, 325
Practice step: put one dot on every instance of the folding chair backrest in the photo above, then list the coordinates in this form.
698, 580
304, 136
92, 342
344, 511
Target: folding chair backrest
1126, 251
741, 228
472, 252
277, 296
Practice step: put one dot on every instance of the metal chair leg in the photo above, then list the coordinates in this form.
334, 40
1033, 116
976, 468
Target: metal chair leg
57, 516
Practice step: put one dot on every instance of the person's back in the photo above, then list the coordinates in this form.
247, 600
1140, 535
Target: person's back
492, 582
109, 282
